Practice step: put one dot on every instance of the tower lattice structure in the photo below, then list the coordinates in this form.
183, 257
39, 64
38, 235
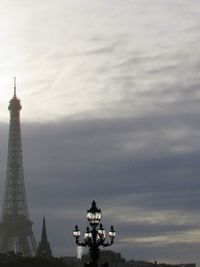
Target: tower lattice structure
16, 232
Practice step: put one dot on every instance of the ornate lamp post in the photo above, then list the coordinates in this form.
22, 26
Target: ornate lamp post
95, 235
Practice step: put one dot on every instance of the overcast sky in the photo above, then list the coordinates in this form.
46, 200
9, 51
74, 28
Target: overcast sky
110, 91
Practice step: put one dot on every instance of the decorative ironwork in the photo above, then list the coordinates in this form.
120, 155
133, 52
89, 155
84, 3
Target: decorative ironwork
94, 237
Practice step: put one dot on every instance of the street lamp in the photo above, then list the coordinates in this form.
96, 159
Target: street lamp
95, 235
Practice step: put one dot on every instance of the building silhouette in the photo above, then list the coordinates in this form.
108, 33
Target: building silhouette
16, 232
44, 249
109, 258
106, 258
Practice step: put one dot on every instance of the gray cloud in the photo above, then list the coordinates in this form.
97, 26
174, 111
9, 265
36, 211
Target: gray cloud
143, 168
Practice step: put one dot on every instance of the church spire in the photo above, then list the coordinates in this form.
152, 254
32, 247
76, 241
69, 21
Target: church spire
44, 231
44, 249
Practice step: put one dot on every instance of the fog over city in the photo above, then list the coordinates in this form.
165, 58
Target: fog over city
110, 93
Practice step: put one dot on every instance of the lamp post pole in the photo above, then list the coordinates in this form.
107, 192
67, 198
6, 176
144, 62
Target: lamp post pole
95, 235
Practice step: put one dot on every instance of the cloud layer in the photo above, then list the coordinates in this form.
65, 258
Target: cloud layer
142, 172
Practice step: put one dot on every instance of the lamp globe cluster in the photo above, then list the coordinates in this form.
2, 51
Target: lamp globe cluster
95, 235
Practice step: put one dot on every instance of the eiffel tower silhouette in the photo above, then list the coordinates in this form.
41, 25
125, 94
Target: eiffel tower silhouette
16, 232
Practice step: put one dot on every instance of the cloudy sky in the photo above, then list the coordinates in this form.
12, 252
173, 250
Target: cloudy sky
110, 96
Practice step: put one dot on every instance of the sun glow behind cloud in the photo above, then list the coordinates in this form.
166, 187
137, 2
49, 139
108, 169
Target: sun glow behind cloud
74, 59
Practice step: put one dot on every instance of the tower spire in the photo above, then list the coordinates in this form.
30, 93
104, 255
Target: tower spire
15, 87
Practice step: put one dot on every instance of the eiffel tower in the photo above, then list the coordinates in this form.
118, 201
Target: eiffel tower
16, 232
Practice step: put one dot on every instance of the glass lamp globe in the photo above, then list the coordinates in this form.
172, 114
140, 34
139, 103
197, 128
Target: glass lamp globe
94, 214
76, 232
88, 235
112, 233
101, 232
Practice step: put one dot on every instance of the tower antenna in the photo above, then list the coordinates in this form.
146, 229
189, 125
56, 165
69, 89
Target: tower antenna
15, 87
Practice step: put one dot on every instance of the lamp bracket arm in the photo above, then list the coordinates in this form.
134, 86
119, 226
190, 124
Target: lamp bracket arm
107, 244
100, 242
81, 244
